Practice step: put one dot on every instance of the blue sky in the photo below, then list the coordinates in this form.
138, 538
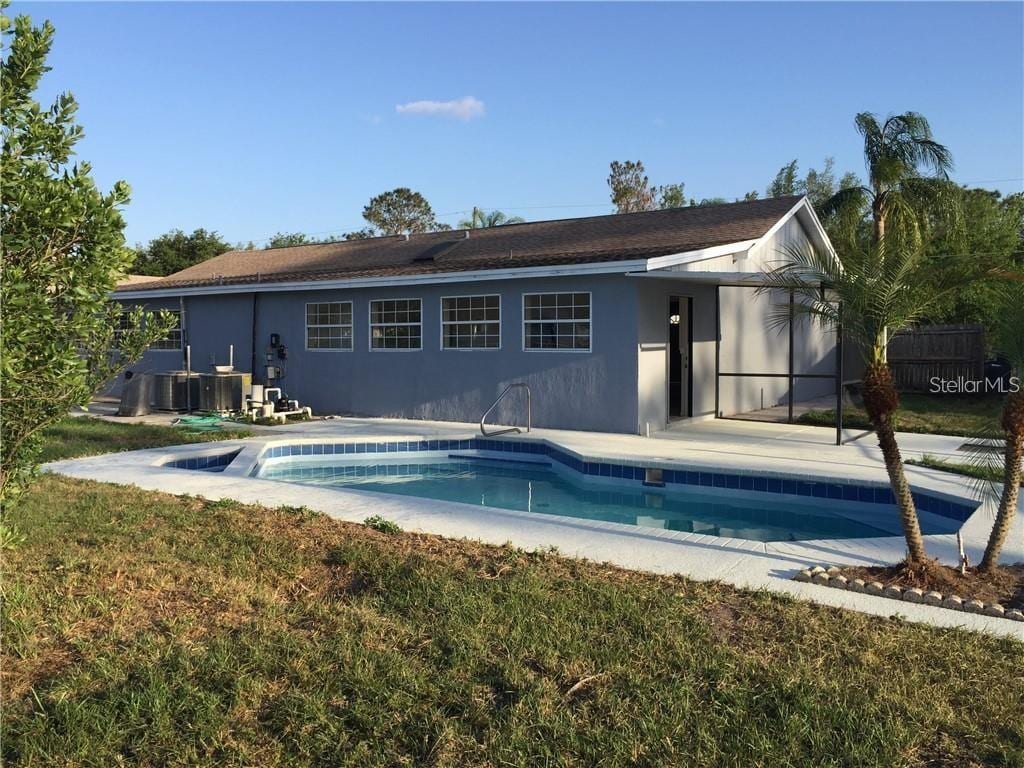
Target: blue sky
253, 118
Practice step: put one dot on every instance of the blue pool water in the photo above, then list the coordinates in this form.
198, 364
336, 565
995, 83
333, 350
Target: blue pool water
538, 488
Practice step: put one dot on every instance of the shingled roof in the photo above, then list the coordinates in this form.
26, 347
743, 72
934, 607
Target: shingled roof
594, 239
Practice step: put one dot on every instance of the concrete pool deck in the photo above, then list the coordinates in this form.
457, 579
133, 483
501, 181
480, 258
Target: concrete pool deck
771, 448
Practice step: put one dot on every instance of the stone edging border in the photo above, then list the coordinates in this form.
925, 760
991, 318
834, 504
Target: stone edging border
832, 577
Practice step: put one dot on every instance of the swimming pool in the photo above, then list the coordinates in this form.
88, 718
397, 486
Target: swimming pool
750, 507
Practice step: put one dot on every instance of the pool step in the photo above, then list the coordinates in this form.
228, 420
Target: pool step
477, 457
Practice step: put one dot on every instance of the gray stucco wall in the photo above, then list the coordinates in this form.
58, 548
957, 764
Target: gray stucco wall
593, 390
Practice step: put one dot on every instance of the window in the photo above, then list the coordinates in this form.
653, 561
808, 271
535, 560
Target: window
121, 327
395, 324
556, 321
471, 322
172, 341
329, 325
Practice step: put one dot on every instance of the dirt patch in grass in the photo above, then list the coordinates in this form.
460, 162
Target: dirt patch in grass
1005, 585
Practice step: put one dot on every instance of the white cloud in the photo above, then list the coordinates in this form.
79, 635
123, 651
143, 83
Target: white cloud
466, 108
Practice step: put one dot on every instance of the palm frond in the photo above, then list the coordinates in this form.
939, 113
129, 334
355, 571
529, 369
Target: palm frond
851, 200
868, 291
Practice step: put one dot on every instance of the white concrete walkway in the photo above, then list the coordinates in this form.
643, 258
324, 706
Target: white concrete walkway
771, 448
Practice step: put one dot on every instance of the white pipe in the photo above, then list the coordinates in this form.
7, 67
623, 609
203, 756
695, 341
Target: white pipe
231, 355
188, 378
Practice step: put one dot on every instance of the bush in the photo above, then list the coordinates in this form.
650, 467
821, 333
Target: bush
383, 525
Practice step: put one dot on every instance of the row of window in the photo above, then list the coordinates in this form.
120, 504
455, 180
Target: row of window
551, 321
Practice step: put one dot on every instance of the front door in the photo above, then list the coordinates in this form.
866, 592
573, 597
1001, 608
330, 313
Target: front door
680, 342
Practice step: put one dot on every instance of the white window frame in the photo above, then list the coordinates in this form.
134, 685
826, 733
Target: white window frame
590, 322
468, 322
180, 328
369, 330
351, 325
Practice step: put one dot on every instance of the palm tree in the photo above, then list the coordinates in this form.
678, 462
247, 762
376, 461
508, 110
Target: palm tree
1008, 338
481, 219
871, 291
900, 199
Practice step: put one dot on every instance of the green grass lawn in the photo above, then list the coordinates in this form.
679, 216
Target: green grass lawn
922, 413
990, 471
86, 436
149, 629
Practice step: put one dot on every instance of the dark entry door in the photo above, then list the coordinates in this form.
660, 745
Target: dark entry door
679, 345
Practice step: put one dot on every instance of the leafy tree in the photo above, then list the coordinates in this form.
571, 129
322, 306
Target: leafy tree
751, 195
287, 239
1008, 337
785, 182
176, 251
908, 190
631, 190
481, 219
819, 186
360, 234
872, 291
991, 242
672, 196
706, 201
401, 211
63, 251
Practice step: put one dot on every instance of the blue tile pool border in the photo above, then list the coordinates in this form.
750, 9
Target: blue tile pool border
678, 476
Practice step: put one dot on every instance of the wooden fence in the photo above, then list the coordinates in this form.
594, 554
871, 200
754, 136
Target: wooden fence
948, 352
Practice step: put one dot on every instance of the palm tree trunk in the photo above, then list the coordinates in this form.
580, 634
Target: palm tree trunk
1013, 425
881, 401
901, 491
878, 216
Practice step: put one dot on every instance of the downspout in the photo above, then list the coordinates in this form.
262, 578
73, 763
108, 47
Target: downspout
255, 315
184, 325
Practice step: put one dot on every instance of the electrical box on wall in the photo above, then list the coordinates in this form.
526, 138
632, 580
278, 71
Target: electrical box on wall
273, 372
275, 339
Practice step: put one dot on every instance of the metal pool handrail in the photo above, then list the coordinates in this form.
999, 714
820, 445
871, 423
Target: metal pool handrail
529, 411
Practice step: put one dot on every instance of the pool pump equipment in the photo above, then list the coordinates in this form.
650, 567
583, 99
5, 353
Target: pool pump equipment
271, 403
266, 401
223, 391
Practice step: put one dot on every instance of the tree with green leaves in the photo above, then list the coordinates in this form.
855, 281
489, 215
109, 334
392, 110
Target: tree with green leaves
908, 190
672, 196
785, 182
63, 251
401, 211
819, 186
176, 251
991, 242
360, 234
288, 239
631, 190
869, 293
1007, 337
481, 219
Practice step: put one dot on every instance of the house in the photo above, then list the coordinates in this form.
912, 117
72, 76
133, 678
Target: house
618, 323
